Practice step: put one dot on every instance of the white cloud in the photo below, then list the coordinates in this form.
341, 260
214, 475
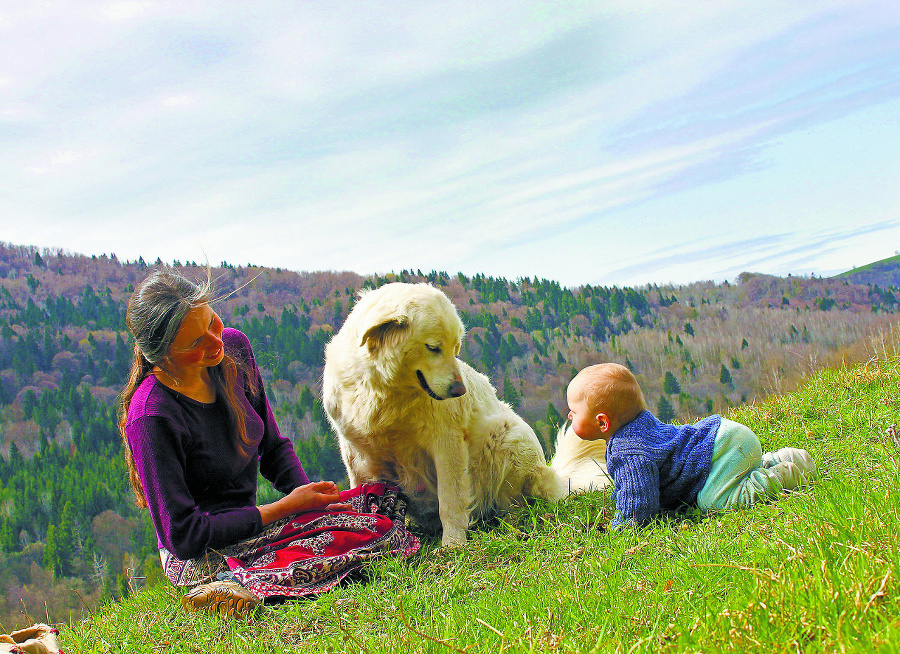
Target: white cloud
182, 100
126, 11
56, 161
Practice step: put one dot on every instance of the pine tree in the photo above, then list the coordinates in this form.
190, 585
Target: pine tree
725, 377
671, 385
664, 410
15, 460
554, 419
510, 394
65, 539
8, 538
51, 551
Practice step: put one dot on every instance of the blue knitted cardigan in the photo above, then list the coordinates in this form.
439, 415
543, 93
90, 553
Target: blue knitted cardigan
655, 466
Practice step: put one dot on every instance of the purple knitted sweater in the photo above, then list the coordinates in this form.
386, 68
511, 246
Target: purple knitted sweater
199, 485
655, 466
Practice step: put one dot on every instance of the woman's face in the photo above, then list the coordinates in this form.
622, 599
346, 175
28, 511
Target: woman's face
198, 341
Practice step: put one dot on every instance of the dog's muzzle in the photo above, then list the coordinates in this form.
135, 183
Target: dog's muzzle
456, 389
426, 387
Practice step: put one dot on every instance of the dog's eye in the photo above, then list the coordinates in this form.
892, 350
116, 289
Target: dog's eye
433, 348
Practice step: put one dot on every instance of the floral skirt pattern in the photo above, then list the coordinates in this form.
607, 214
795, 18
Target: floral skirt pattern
309, 552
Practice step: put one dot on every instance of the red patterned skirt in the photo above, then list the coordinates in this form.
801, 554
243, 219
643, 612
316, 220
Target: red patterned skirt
309, 552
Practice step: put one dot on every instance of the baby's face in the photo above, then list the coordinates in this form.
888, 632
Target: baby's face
584, 420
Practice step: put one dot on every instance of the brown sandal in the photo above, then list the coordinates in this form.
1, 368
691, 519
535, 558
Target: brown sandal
222, 597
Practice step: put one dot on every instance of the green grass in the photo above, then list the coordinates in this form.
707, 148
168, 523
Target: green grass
816, 571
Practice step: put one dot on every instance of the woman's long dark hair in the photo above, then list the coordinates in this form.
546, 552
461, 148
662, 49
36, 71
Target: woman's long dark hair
155, 312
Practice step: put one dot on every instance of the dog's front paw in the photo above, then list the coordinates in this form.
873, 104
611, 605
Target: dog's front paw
453, 538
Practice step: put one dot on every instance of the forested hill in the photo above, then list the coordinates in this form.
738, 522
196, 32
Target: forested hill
69, 530
883, 273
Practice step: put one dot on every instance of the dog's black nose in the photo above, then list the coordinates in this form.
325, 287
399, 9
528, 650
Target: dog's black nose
457, 389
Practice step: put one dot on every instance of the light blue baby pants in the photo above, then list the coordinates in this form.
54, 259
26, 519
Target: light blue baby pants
742, 475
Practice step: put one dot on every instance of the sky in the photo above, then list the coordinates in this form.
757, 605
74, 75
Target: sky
608, 142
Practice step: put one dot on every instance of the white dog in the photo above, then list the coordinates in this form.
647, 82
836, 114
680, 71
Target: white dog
406, 410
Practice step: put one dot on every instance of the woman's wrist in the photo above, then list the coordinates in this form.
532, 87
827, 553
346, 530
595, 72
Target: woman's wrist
309, 497
269, 513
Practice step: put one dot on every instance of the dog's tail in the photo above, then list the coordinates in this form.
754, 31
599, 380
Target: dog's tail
580, 464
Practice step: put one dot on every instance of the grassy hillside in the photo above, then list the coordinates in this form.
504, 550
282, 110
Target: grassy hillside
817, 571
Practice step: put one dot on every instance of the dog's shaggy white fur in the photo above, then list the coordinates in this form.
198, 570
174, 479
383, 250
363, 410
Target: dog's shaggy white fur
406, 410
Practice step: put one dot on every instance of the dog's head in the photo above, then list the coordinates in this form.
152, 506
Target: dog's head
413, 333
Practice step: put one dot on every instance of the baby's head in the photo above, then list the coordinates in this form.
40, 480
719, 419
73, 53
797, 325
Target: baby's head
603, 398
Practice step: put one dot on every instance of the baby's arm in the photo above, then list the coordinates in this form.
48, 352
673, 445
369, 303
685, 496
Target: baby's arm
636, 480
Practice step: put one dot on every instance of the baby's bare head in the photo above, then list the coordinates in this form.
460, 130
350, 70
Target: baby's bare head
609, 388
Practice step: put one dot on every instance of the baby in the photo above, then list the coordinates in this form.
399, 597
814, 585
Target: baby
713, 464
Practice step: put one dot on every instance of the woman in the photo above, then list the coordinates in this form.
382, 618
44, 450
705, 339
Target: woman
197, 426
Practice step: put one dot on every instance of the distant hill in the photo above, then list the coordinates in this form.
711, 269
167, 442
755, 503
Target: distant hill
884, 273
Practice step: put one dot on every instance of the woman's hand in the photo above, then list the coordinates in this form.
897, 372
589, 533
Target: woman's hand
310, 497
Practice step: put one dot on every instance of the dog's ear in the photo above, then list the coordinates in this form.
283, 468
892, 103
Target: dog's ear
387, 333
